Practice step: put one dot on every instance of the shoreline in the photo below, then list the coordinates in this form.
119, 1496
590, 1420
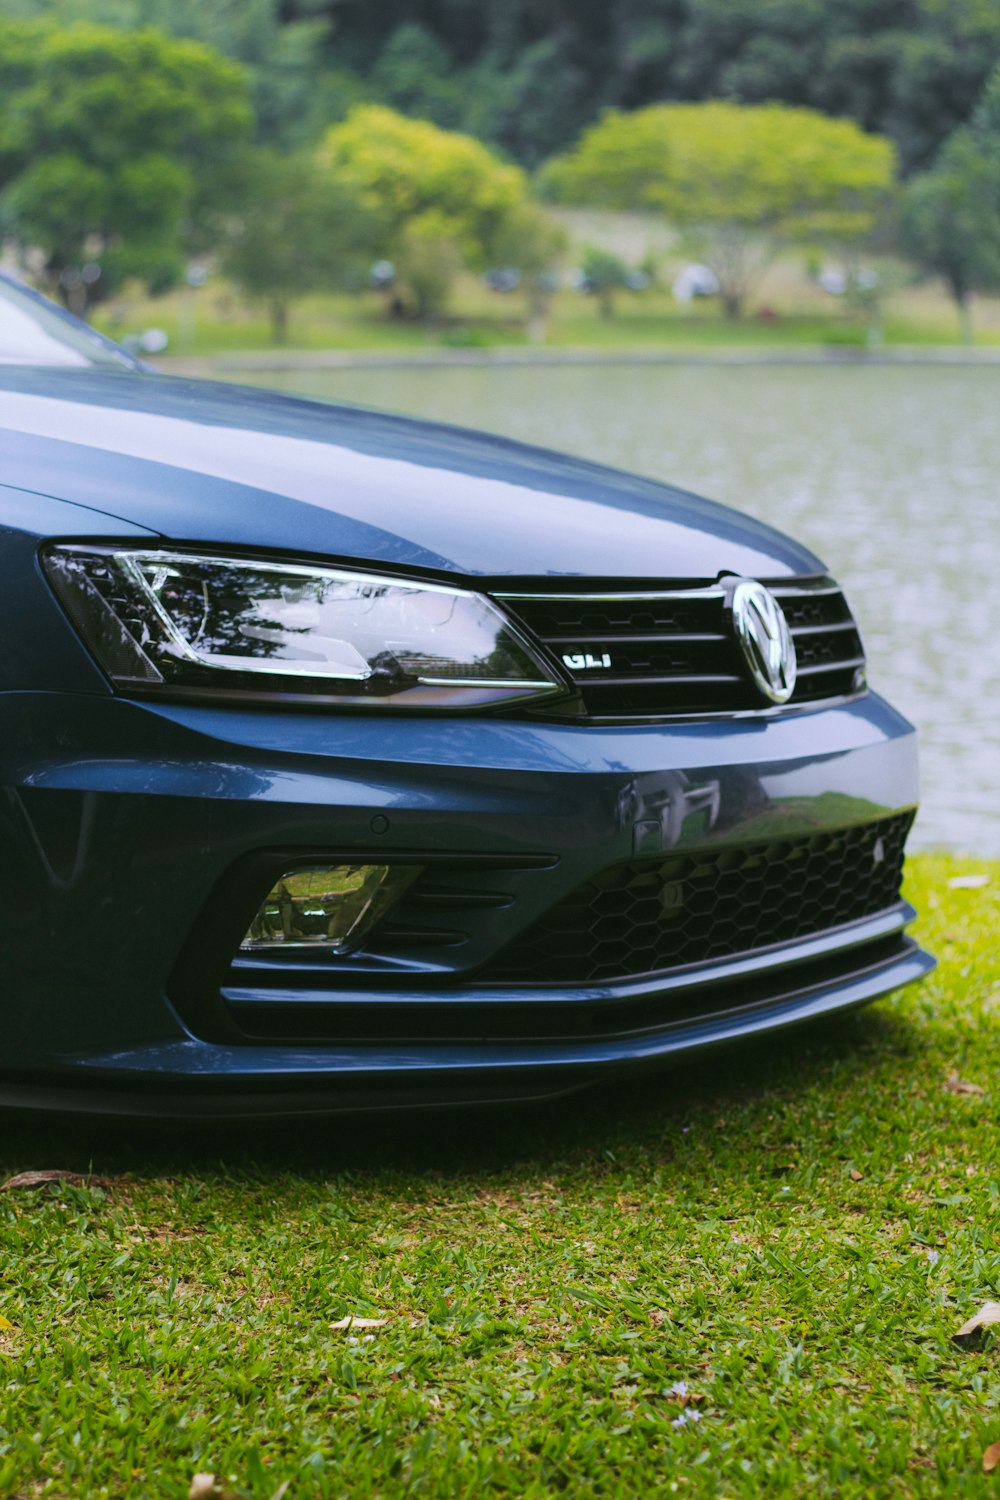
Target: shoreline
516, 357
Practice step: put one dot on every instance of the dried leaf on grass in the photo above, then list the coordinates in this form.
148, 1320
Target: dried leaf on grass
52, 1179
207, 1487
345, 1323
991, 1458
204, 1487
856, 1176
5, 1323
956, 1085
968, 882
971, 1332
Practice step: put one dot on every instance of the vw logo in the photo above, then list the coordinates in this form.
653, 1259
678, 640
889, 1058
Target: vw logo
763, 633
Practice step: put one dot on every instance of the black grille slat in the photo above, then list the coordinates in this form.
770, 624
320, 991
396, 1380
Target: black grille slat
392, 936
647, 916
813, 607
656, 655
553, 618
464, 900
663, 698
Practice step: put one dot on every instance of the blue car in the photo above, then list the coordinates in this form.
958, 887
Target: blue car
353, 762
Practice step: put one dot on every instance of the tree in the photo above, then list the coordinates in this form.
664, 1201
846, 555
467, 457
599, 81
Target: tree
427, 262
532, 243
530, 104
912, 75
299, 229
604, 273
294, 94
951, 214
986, 118
739, 179
114, 147
529, 75
441, 195
412, 76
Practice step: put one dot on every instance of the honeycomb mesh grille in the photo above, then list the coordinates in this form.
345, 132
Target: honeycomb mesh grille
648, 654
649, 915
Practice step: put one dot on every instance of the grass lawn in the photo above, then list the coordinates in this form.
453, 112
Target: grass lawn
738, 1280
215, 321
652, 322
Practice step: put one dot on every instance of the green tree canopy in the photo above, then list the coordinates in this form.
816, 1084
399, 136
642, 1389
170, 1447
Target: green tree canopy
433, 188
113, 145
604, 274
411, 169
299, 229
412, 75
986, 119
529, 75
739, 177
293, 89
951, 214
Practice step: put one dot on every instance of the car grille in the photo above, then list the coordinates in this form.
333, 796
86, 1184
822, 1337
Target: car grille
650, 915
662, 652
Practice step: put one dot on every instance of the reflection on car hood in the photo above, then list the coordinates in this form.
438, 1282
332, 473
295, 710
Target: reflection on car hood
205, 462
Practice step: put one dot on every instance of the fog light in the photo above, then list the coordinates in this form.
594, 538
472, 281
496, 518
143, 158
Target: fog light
327, 906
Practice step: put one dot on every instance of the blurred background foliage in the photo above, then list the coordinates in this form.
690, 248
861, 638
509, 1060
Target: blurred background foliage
526, 76
291, 143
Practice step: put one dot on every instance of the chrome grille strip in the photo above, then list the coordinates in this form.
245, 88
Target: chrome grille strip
832, 666
665, 653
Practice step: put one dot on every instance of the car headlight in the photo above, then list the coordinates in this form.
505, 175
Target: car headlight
186, 623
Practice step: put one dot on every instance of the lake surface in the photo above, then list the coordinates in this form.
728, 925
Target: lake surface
891, 474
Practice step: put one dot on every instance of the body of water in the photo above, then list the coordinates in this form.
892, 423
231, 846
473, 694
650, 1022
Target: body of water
891, 474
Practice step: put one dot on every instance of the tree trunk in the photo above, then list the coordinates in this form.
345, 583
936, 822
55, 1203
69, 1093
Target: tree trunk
538, 316
963, 301
732, 303
279, 320
606, 302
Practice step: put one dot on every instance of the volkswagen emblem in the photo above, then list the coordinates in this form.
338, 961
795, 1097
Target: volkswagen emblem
763, 633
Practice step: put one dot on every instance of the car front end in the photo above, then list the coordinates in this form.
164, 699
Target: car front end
349, 763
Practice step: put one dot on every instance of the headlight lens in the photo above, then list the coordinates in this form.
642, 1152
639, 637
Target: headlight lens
165, 621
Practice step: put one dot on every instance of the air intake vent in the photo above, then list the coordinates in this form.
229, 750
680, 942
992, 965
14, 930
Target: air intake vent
650, 915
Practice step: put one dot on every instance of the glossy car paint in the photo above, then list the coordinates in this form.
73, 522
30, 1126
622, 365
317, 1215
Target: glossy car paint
121, 820
248, 468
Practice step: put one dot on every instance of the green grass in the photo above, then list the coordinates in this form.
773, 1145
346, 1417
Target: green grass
216, 320
220, 324
794, 1231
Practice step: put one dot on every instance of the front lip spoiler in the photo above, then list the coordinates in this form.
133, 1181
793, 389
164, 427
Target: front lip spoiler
181, 1080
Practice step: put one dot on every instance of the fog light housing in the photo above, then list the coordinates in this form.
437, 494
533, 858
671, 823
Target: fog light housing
327, 906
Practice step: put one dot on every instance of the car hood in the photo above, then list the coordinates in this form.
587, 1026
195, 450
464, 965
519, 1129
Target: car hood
211, 463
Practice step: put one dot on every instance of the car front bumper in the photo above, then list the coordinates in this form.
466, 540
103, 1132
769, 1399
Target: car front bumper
129, 829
